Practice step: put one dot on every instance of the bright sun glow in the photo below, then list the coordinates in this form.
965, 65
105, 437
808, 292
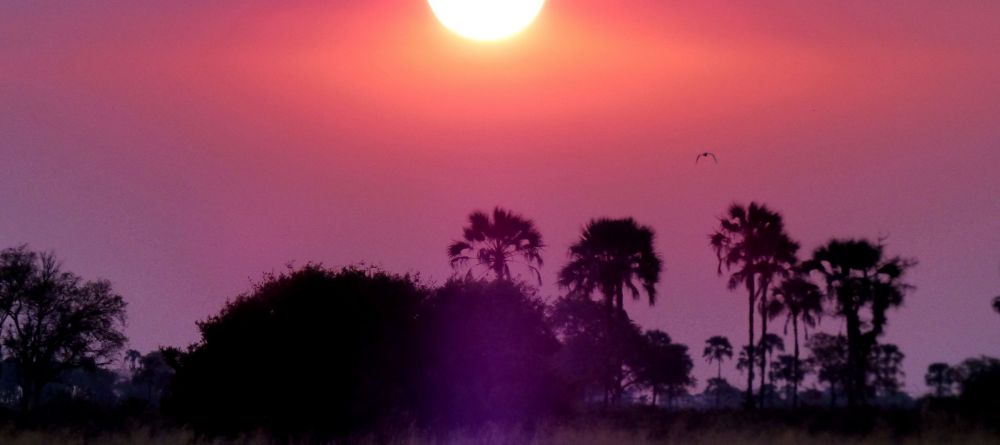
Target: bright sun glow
486, 19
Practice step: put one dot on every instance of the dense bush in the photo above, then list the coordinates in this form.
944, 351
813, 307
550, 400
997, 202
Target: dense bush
311, 350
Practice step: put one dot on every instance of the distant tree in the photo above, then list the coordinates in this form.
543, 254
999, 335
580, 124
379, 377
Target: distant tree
717, 349
979, 381
941, 377
53, 320
829, 360
665, 366
789, 370
743, 360
752, 244
613, 255
860, 280
495, 243
800, 301
310, 350
132, 359
886, 370
722, 392
152, 376
768, 344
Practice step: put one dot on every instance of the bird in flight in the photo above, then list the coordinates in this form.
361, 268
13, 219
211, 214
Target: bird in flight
706, 154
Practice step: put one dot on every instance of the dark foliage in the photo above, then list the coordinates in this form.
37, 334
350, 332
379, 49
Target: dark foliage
310, 350
979, 380
486, 355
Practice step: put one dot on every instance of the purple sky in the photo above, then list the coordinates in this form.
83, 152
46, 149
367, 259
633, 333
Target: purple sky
183, 148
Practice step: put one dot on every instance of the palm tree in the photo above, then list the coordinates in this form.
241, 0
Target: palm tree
717, 349
799, 300
497, 242
613, 255
751, 243
860, 280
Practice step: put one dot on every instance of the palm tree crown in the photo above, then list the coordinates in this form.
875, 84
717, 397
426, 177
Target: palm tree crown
613, 255
496, 242
717, 349
799, 300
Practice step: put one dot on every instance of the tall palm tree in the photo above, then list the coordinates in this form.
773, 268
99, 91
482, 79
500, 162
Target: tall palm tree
717, 349
752, 244
613, 255
494, 243
860, 281
800, 301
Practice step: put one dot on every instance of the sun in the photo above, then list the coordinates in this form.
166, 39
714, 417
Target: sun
486, 20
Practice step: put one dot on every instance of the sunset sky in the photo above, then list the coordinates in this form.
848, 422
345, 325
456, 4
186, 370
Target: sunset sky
183, 148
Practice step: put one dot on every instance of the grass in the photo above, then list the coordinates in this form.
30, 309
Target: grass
598, 435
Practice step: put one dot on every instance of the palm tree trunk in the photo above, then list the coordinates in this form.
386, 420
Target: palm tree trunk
795, 364
750, 346
763, 334
854, 385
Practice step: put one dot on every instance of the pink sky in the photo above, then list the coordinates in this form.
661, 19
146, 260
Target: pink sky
182, 148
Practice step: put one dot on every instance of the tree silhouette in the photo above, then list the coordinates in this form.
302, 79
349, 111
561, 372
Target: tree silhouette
829, 358
310, 350
886, 369
743, 360
768, 344
593, 355
494, 243
979, 382
485, 350
799, 300
860, 280
132, 358
717, 349
941, 377
752, 244
54, 321
613, 255
665, 366
790, 370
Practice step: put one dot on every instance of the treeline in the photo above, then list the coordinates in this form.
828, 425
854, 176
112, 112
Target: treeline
340, 351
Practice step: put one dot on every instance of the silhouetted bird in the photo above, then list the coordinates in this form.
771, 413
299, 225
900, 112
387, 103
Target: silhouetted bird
706, 155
